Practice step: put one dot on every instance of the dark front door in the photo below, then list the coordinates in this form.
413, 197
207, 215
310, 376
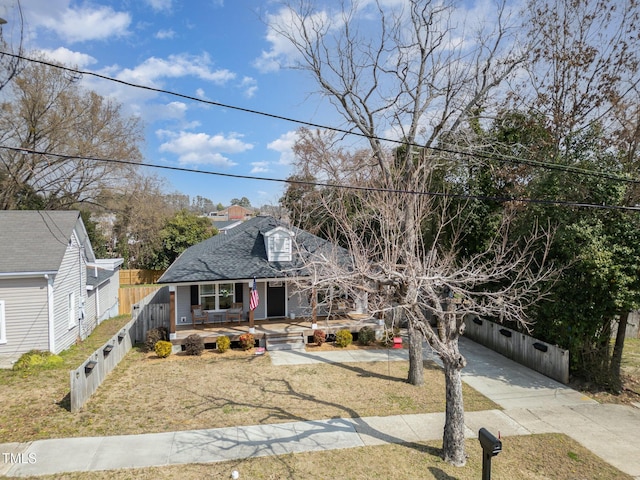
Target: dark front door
276, 300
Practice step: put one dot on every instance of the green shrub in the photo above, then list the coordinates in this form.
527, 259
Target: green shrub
163, 349
37, 359
193, 345
319, 337
223, 343
343, 338
154, 336
366, 335
247, 341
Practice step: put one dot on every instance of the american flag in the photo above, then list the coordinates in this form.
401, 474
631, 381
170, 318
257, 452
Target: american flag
255, 298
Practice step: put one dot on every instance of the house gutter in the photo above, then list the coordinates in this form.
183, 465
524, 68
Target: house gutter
52, 332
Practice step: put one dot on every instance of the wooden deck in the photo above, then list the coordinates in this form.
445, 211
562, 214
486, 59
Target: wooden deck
275, 327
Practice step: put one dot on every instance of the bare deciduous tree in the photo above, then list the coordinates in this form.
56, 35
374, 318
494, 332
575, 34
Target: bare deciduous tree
422, 76
46, 111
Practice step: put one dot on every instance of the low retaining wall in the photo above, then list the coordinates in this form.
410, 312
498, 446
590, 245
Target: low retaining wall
542, 357
147, 314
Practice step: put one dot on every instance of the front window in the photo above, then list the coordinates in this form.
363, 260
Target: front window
217, 296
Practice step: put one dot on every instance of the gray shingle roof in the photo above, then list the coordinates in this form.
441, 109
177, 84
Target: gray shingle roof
238, 255
34, 241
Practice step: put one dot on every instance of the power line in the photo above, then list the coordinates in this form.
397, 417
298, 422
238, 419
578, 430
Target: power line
501, 158
458, 196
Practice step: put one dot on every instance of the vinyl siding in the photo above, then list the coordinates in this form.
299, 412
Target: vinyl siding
108, 305
70, 278
26, 320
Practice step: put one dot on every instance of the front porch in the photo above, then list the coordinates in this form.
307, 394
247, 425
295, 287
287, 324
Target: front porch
273, 328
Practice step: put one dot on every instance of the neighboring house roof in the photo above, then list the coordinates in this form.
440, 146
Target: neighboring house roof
225, 224
35, 241
97, 276
240, 254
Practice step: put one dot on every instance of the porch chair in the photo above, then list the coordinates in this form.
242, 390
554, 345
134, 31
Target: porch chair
235, 312
198, 315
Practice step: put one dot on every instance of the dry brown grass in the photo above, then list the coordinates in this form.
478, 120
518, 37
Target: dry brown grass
147, 394
536, 457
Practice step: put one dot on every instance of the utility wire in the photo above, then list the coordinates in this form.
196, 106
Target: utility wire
459, 196
500, 158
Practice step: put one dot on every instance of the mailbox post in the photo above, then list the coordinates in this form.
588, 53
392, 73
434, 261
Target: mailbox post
491, 447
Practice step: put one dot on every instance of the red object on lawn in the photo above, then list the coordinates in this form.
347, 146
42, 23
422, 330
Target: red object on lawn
397, 342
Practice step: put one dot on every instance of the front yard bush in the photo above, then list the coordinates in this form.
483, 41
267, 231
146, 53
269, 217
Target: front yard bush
366, 335
193, 345
247, 341
223, 343
37, 359
163, 349
154, 336
319, 337
343, 338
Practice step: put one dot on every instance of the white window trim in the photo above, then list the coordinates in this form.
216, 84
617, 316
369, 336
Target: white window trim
71, 309
216, 293
3, 324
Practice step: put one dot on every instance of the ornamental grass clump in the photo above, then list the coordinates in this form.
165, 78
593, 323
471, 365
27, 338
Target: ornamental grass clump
223, 343
343, 338
163, 349
154, 336
193, 345
319, 337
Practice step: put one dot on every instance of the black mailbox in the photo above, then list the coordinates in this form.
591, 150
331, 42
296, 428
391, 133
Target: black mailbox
490, 444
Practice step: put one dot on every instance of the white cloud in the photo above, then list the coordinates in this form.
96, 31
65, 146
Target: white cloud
82, 23
259, 167
153, 69
202, 148
165, 34
284, 146
160, 5
250, 86
69, 58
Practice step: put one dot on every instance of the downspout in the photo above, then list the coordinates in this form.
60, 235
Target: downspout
52, 332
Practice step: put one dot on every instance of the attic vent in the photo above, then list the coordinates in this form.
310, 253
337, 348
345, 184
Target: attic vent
278, 243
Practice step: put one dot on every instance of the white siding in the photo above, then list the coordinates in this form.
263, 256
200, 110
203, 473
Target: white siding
108, 298
26, 319
70, 278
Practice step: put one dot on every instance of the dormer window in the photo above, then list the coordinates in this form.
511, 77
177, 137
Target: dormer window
278, 243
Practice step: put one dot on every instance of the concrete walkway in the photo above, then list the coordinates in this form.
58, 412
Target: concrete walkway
532, 403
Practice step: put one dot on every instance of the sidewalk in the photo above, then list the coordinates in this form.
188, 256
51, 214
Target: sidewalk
532, 403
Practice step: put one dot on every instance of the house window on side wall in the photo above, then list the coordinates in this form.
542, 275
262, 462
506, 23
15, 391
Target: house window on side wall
217, 296
3, 326
71, 309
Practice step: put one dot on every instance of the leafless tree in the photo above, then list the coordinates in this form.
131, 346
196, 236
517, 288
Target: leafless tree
422, 75
10, 54
46, 111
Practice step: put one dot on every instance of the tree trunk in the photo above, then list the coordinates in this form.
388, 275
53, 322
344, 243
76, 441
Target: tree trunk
416, 363
616, 358
453, 440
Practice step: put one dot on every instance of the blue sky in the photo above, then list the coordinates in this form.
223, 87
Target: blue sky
211, 49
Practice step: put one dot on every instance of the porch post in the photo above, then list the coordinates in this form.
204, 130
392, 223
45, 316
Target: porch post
252, 328
172, 312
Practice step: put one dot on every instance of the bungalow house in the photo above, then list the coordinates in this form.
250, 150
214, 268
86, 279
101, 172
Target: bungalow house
53, 290
218, 273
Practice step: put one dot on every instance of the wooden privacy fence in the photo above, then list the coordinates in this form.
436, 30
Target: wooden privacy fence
151, 312
139, 277
549, 360
129, 296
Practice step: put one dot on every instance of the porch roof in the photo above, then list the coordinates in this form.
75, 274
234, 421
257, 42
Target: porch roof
240, 254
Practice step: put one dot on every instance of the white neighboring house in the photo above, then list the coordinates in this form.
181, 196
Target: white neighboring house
53, 290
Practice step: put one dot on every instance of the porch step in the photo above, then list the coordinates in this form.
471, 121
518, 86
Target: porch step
292, 341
